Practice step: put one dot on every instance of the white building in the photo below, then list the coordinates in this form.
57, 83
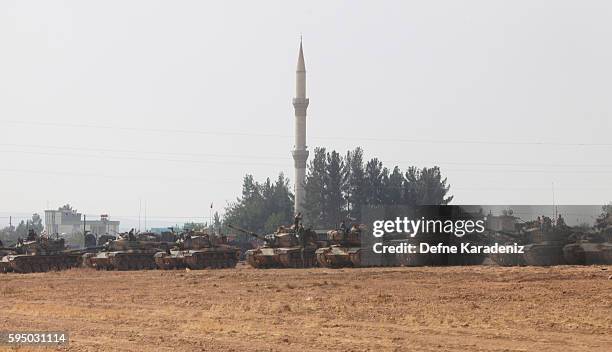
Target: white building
70, 222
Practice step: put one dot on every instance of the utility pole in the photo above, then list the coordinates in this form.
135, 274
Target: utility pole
553, 203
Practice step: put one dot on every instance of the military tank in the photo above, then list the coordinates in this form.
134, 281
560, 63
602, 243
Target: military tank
344, 251
128, 252
546, 244
588, 249
286, 248
39, 254
593, 246
198, 250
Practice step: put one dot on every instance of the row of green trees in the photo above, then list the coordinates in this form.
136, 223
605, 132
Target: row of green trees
337, 187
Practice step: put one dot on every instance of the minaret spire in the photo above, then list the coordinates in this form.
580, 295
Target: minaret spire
301, 67
300, 154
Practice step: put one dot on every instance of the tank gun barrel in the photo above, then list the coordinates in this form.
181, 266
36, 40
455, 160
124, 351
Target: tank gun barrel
239, 229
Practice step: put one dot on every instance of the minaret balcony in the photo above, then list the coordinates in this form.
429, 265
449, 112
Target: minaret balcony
299, 157
300, 102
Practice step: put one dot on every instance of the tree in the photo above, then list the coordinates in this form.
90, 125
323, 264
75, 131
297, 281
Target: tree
314, 187
263, 206
374, 192
393, 187
333, 200
354, 191
324, 204
425, 187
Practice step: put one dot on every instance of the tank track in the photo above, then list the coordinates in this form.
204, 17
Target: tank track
293, 259
588, 254
40, 263
165, 261
327, 259
4, 268
544, 256
197, 260
124, 262
508, 259
259, 261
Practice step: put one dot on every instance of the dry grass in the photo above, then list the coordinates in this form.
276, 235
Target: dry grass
391, 309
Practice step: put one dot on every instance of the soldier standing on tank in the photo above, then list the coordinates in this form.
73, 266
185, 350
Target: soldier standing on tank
343, 231
31, 235
343, 227
560, 221
297, 220
547, 224
540, 222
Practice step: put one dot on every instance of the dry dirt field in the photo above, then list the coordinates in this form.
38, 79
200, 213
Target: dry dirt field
482, 308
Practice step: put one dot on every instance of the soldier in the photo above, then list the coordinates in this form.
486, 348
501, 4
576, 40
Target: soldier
297, 220
560, 221
343, 227
547, 224
31, 235
131, 235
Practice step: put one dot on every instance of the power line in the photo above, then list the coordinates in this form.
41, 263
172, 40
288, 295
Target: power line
117, 176
97, 156
143, 151
439, 162
158, 177
268, 135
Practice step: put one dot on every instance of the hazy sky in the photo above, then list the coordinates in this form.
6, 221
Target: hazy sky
105, 103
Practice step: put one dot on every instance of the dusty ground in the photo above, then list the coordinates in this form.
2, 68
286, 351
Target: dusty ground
392, 309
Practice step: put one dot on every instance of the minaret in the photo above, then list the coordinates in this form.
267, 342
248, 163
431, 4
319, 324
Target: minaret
300, 154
